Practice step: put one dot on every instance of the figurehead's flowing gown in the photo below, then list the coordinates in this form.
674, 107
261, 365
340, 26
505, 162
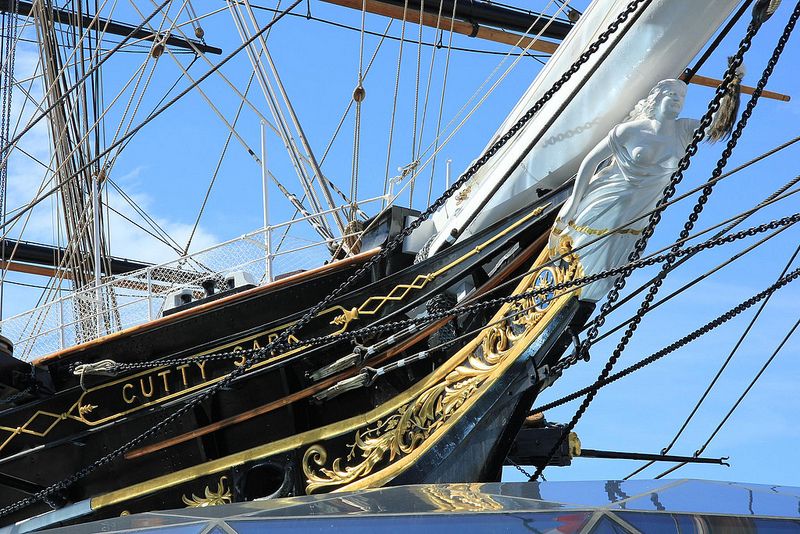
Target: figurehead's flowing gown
626, 186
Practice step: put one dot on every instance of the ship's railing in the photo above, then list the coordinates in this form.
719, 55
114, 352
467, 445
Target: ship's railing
137, 297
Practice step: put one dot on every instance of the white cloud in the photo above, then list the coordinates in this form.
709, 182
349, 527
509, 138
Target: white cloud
26, 176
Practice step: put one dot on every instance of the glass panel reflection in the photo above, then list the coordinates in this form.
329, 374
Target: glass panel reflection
441, 524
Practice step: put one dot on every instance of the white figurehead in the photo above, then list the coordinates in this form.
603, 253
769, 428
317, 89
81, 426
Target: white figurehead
621, 179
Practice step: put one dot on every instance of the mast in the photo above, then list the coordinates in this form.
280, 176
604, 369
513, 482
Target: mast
75, 135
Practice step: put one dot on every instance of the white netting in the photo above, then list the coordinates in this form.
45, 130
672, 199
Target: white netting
139, 296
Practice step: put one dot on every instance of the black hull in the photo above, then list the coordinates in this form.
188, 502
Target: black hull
212, 447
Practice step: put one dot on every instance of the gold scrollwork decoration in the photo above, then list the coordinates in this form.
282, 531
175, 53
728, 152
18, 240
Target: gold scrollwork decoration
212, 498
399, 434
413, 423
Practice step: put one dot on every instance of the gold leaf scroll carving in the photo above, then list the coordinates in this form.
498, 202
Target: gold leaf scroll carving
413, 423
211, 498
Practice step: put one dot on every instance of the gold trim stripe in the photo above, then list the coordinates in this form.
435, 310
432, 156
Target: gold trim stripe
333, 430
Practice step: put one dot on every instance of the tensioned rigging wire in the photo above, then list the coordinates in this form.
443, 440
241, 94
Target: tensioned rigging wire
695, 334
402, 326
537, 57
36, 201
61, 70
445, 75
333, 139
732, 225
579, 393
676, 178
733, 408
480, 304
217, 167
655, 257
146, 121
437, 142
394, 99
722, 368
780, 195
68, 90
631, 8
738, 219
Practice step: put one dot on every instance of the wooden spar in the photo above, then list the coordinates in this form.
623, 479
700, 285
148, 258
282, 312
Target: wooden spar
50, 256
70, 17
705, 81
459, 26
34, 269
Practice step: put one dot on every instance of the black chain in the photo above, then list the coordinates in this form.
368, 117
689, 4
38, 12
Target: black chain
11, 399
518, 467
569, 284
395, 326
631, 8
138, 366
734, 63
689, 338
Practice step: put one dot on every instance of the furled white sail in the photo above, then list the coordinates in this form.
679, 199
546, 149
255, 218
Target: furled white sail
658, 45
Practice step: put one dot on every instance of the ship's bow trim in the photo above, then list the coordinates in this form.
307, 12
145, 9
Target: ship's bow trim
382, 449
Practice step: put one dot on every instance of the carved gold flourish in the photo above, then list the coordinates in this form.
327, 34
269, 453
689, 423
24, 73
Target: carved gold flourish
415, 422
373, 304
83, 409
463, 195
212, 498
588, 230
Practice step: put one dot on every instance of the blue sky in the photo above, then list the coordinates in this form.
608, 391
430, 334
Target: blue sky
168, 167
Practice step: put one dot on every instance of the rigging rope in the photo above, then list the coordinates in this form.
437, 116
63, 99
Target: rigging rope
441, 99
735, 222
633, 7
699, 451
7, 57
218, 166
67, 91
722, 368
694, 335
30, 205
523, 53
394, 99
734, 63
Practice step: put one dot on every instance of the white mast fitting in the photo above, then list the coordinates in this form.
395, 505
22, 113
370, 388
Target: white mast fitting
651, 51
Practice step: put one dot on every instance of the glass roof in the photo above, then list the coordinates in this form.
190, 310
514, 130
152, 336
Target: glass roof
558, 507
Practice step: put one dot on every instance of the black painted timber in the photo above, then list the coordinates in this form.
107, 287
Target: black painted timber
494, 15
50, 256
67, 16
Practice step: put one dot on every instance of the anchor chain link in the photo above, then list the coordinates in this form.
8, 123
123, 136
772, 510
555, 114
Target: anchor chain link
631, 8
734, 63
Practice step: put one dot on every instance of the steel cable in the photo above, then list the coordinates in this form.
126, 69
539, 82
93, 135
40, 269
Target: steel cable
693, 336
734, 63
632, 8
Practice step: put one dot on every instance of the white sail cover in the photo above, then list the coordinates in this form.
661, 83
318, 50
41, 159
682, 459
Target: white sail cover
658, 45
